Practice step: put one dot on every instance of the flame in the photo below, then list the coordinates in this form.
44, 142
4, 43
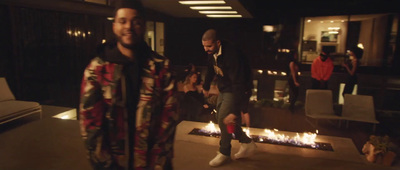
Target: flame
307, 138
211, 128
247, 131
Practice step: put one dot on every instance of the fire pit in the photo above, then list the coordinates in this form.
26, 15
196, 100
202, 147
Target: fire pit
307, 140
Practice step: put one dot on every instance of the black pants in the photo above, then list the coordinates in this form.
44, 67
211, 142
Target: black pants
316, 84
349, 87
293, 93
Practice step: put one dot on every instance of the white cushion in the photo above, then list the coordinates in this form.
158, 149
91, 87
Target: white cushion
5, 92
359, 108
12, 108
319, 104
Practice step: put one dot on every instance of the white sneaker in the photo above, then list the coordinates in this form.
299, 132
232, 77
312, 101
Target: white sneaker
219, 159
246, 150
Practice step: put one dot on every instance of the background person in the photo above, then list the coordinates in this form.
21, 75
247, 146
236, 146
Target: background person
321, 71
293, 80
351, 66
193, 101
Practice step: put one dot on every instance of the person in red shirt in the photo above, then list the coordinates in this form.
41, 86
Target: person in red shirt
321, 71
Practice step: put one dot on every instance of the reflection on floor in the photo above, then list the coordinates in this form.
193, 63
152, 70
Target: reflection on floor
70, 115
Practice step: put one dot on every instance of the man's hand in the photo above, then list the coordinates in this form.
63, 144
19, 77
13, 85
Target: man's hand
205, 92
230, 119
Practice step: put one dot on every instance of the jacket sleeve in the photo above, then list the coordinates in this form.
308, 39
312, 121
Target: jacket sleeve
163, 148
237, 75
91, 114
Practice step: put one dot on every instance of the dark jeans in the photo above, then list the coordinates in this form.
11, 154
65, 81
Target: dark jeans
225, 106
293, 93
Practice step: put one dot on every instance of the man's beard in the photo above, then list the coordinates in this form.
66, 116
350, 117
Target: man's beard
135, 42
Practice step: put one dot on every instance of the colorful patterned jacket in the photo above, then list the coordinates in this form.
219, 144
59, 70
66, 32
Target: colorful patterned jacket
103, 113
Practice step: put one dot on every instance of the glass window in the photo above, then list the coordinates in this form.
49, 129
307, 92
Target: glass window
326, 34
160, 38
375, 33
149, 35
154, 36
372, 31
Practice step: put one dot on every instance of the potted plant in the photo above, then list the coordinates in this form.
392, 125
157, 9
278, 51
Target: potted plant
379, 149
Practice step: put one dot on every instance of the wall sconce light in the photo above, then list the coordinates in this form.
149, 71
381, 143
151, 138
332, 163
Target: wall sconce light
360, 45
268, 28
333, 28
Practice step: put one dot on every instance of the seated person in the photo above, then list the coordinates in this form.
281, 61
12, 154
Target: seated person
193, 101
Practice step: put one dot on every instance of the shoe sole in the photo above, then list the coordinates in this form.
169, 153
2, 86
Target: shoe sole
222, 163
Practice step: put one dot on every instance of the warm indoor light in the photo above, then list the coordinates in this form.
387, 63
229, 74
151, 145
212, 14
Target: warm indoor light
309, 20
360, 45
224, 16
218, 12
331, 21
65, 117
201, 2
268, 28
110, 18
260, 71
333, 28
333, 32
209, 7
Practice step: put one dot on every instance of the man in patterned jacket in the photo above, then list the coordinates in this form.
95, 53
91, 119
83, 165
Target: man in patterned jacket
127, 109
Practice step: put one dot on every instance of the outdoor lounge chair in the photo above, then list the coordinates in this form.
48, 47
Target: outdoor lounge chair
359, 108
319, 105
11, 109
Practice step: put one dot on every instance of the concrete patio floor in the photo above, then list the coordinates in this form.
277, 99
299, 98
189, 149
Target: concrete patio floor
51, 143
